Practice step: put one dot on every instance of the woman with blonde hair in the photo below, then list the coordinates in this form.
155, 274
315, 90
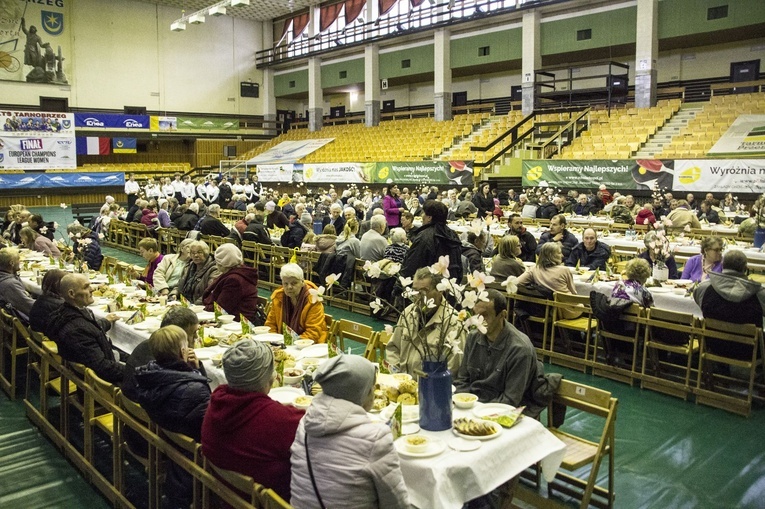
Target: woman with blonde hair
40, 243
549, 271
347, 243
637, 273
506, 262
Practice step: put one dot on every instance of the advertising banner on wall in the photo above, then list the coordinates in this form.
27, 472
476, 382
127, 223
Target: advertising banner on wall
458, 173
111, 121
37, 140
627, 174
341, 173
275, 172
35, 42
720, 175
44, 180
745, 137
163, 123
207, 124
289, 151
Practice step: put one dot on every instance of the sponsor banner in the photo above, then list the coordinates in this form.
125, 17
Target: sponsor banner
35, 41
344, 173
720, 175
275, 172
289, 151
163, 123
43, 180
207, 124
745, 137
35, 152
627, 174
111, 121
36, 123
423, 172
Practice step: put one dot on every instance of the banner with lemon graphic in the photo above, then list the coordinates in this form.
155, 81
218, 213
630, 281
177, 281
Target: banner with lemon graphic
720, 175
615, 174
458, 173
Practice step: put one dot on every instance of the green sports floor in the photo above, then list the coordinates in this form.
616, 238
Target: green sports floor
669, 453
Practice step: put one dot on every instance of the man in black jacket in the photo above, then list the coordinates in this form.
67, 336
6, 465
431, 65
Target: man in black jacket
590, 253
80, 336
432, 240
189, 219
528, 242
211, 223
559, 233
256, 230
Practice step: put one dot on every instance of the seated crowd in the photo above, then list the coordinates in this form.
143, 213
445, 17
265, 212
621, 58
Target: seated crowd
333, 455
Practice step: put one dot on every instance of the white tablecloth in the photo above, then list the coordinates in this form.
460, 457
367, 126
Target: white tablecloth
452, 478
662, 299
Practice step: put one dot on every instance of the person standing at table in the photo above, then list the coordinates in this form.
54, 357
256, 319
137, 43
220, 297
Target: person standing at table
340, 458
132, 190
590, 253
698, 267
80, 336
244, 430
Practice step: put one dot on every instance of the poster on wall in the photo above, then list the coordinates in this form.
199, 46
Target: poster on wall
37, 140
163, 123
745, 137
275, 172
35, 42
345, 173
627, 174
720, 175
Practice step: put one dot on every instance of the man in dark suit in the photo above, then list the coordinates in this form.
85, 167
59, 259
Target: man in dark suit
335, 218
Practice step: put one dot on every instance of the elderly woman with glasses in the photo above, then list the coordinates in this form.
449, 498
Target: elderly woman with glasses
168, 272
698, 267
294, 305
198, 274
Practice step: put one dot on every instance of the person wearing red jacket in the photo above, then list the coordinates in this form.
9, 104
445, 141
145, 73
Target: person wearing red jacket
236, 289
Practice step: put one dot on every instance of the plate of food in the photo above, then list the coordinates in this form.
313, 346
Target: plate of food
206, 316
286, 395
419, 446
492, 410
682, 283
659, 289
474, 429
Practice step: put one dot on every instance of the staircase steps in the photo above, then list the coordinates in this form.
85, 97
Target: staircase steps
663, 136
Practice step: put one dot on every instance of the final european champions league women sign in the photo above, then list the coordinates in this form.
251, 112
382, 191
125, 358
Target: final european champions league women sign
37, 140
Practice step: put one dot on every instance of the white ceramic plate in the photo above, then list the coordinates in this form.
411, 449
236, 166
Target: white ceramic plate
124, 314
680, 281
232, 327
149, 325
301, 364
436, 447
270, 337
315, 351
497, 427
205, 316
285, 395
492, 409
410, 428
463, 445
26, 273
409, 413
659, 289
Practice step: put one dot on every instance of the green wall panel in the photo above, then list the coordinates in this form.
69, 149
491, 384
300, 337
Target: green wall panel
504, 45
687, 17
421, 60
282, 82
609, 28
330, 73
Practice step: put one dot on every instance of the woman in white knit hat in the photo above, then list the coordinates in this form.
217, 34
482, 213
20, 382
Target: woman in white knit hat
236, 289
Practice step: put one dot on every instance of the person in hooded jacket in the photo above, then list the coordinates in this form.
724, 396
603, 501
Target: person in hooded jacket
432, 240
297, 231
236, 289
175, 395
730, 296
351, 457
244, 430
85, 245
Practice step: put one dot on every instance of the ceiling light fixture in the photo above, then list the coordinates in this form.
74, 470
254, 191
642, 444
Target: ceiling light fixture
234, 3
217, 10
178, 26
196, 18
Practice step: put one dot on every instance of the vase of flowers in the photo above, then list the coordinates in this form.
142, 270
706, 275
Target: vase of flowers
435, 346
660, 252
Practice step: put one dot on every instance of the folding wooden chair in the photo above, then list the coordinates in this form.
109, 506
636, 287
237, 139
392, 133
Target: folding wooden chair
99, 415
675, 334
12, 348
246, 486
574, 354
358, 332
272, 500
193, 451
629, 330
581, 451
529, 310
718, 341
142, 426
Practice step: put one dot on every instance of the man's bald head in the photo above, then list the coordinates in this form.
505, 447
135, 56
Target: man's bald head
75, 290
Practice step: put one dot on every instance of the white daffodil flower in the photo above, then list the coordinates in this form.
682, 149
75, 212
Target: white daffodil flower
479, 280
405, 281
316, 294
331, 279
441, 266
376, 305
511, 285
